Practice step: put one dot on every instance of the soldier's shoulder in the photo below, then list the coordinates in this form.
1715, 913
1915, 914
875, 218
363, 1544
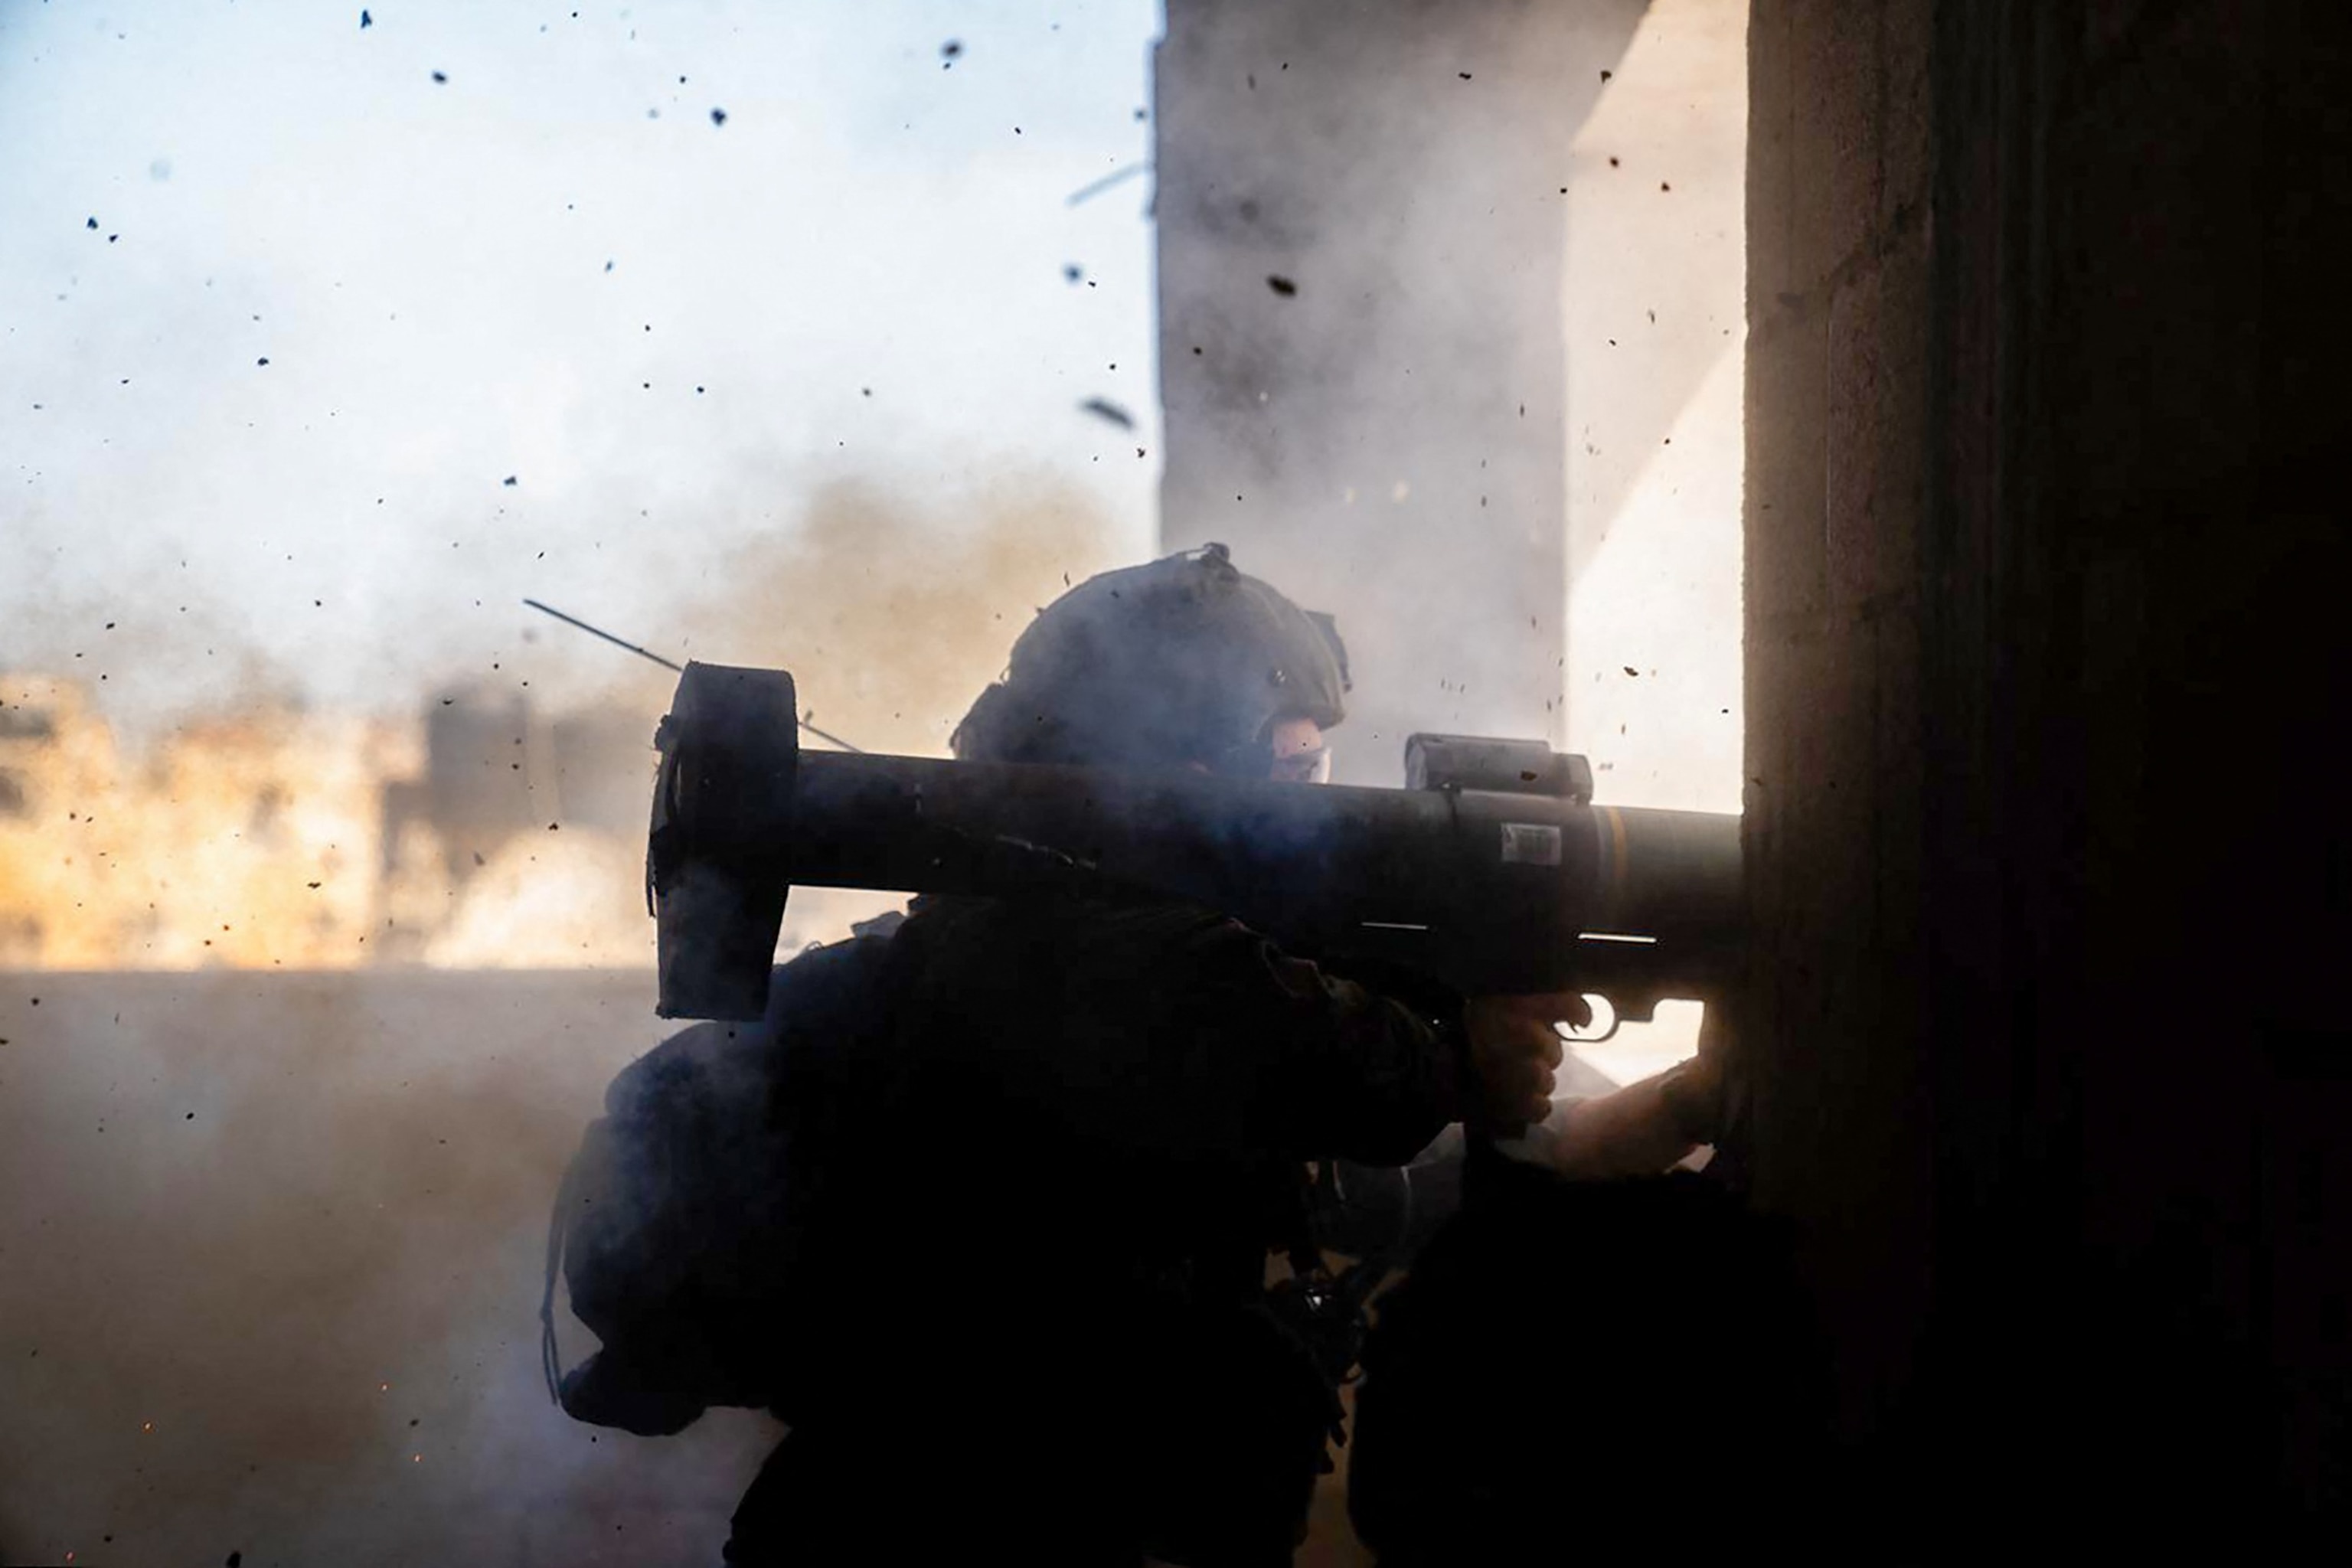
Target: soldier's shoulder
1085, 934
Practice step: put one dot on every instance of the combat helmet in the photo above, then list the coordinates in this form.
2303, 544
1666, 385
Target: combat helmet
1182, 660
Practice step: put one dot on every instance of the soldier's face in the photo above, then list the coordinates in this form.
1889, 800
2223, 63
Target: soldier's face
1299, 755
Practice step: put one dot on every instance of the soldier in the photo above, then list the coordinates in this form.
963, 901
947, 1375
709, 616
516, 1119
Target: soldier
1033, 1316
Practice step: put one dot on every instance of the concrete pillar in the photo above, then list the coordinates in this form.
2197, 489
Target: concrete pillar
1361, 217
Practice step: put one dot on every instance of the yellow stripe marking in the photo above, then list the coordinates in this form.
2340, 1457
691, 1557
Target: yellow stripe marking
1617, 859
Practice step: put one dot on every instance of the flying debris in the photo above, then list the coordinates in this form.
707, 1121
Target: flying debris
1281, 285
1096, 187
1104, 408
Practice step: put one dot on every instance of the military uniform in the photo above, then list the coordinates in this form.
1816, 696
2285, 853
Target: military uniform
1033, 1318
1041, 1327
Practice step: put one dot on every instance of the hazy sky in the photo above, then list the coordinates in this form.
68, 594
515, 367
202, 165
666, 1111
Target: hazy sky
556, 264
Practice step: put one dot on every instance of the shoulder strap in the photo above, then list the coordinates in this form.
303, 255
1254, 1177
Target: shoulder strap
551, 1357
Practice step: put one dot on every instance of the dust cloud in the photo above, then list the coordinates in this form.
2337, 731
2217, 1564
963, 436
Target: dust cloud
490, 830
267, 1269
287, 1085
321, 926
746, 331
891, 615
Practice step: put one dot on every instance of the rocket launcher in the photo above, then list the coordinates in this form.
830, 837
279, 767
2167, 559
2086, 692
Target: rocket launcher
1491, 871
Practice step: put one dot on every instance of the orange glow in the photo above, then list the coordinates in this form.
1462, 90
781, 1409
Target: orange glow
259, 842
236, 842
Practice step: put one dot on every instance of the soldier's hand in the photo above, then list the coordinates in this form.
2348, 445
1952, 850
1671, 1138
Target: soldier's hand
1514, 1050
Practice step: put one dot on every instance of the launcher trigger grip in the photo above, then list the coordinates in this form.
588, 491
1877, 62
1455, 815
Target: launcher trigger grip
1602, 1006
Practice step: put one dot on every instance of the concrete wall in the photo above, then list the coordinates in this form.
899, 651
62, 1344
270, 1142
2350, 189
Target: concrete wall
2046, 549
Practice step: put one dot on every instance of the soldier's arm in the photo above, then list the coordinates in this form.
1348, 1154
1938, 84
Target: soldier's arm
1255, 1051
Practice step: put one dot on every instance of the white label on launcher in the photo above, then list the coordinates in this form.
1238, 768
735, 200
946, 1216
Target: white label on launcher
1530, 844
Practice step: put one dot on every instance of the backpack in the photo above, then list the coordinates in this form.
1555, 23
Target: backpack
678, 1222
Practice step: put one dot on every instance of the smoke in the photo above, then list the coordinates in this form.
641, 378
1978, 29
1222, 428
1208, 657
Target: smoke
355, 359
1362, 240
379, 332
801, 389
272, 1250
1452, 334
243, 1203
494, 828
892, 614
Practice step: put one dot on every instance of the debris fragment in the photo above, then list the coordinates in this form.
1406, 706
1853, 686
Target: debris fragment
441, 76
1281, 285
366, 20
1105, 409
717, 117
1094, 188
